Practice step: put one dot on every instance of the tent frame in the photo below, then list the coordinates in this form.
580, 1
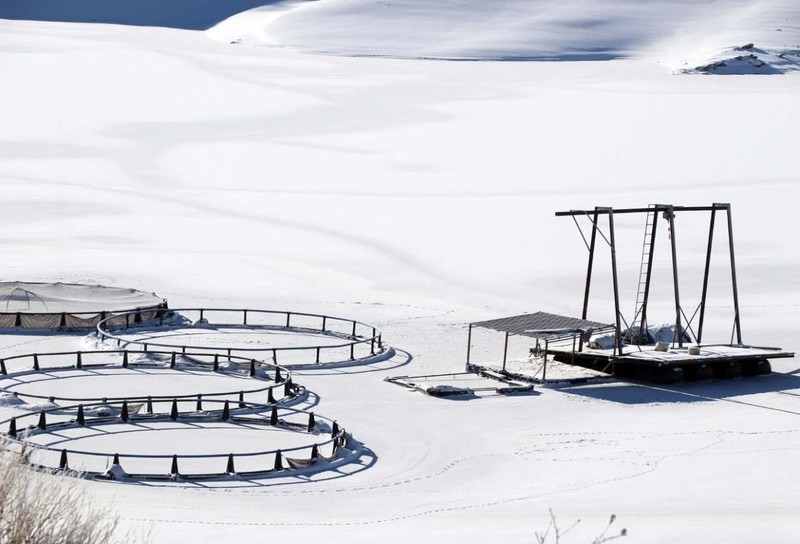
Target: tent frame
541, 326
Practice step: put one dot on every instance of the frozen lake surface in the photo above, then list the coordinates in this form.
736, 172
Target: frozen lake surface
419, 195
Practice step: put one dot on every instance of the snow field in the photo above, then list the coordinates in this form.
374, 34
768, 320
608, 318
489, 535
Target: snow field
418, 196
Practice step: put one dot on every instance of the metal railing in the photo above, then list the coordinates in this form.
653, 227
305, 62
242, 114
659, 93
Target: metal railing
362, 341
77, 360
280, 461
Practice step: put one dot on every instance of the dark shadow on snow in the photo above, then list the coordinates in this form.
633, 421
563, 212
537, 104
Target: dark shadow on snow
184, 14
783, 384
390, 359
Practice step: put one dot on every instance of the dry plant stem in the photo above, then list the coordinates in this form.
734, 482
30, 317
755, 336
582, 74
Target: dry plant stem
37, 507
542, 538
603, 538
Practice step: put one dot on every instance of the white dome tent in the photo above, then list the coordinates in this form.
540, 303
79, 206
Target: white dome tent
33, 305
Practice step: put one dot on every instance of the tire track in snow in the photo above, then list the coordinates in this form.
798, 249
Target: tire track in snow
396, 256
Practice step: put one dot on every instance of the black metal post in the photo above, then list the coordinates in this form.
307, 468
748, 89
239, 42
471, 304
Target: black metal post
469, 342
736, 321
589, 268
544, 363
505, 353
676, 286
706, 273
613, 244
643, 320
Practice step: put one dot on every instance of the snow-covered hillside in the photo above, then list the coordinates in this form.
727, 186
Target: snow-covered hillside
720, 37
683, 34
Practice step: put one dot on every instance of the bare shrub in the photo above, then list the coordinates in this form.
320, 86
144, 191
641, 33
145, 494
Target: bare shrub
38, 507
557, 532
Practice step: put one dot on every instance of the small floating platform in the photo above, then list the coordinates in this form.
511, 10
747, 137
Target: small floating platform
675, 363
462, 383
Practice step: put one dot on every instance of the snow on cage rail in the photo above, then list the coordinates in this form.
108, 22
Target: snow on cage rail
337, 449
363, 342
281, 379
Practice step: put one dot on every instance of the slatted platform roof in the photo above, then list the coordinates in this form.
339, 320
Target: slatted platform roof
542, 325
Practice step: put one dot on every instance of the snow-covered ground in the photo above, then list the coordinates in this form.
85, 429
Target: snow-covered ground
419, 195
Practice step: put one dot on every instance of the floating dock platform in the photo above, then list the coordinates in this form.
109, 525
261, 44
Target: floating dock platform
675, 364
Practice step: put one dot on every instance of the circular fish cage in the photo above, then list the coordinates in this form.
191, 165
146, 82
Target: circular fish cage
291, 339
32, 305
106, 376
75, 439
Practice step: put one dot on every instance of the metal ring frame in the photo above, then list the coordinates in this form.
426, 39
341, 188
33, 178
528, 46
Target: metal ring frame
355, 336
281, 376
306, 458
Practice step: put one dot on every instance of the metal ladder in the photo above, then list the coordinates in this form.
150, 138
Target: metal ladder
640, 314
